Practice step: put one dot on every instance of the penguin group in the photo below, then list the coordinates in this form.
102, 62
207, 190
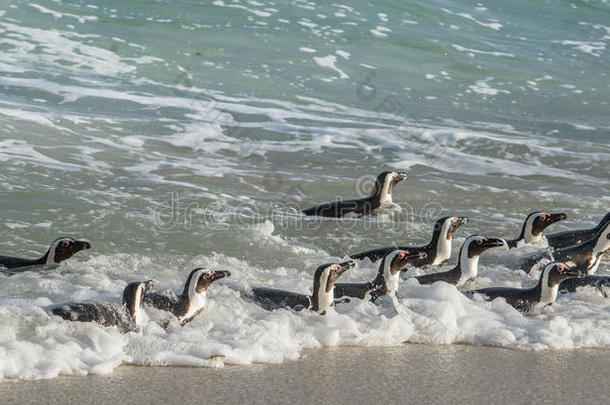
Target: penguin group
568, 261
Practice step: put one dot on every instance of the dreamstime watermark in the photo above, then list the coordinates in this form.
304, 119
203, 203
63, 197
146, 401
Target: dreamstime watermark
175, 214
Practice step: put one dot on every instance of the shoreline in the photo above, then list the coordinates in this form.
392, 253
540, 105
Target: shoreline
345, 375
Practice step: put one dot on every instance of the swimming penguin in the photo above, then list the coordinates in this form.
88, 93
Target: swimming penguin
60, 250
544, 293
570, 238
193, 298
387, 278
381, 194
438, 251
467, 267
127, 316
323, 291
532, 229
588, 254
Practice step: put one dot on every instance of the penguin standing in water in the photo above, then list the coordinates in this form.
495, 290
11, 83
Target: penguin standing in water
61, 249
467, 267
127, 316
570, 238
381, 194
438, 251
587, 254
387, 278
320, 301
534, 225
525, 299
193, 298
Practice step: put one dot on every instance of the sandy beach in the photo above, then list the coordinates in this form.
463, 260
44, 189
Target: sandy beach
408, 374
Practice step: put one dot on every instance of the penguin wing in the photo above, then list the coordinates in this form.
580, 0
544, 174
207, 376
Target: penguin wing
373, 254
270, 299
335, 209
356, 290
450, 277
7, 262
160, 301
103, 314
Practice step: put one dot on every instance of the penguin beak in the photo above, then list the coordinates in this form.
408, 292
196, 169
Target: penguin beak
400, 176
81, 245
345, 266
493, 243
463, 220
218, 274
556, 217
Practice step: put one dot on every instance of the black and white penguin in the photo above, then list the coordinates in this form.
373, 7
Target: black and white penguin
587, 254
570, 238
438, 251
193, 298
127, 317
467, 267
60, 250
544, 293
381, 194
387, 278
532, 229
323, 291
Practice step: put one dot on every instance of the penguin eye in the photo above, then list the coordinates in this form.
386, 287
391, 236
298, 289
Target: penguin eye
67, 242
479, 241
208, 274
544, 217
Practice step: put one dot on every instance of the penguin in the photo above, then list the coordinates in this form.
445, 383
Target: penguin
588, 254
570, 238
381, 194
127, 316
323, 291
532, 229
525, 299
387, 278
467, 267
193, 298
60, 250
438, 251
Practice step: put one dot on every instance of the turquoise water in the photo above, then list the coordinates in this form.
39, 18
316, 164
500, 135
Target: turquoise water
174, 134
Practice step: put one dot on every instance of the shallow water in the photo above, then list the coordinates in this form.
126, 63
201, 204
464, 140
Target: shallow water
175, 134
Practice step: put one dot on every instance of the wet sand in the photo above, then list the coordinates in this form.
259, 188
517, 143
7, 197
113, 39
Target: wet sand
408, 374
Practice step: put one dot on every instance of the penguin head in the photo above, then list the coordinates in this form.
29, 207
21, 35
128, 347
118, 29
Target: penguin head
447, 226
133, 295
475, 245
537, 222
64, 248
555, 272
603, 239
387, 180
327, 274
397, 260
200, 279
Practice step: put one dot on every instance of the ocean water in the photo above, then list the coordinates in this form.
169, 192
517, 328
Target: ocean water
179, 134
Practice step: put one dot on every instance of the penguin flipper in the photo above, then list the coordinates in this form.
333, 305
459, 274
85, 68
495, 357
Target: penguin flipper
270, 299
335, 209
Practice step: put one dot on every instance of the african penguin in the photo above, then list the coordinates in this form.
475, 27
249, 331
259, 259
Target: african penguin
323, 291
467, 267
193, 298
531, 231
438, 251
387, 278
381, 194
60, 250
525, 299
570, 238
127, 317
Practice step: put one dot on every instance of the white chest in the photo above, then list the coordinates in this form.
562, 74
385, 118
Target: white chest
197, 303
325, 299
